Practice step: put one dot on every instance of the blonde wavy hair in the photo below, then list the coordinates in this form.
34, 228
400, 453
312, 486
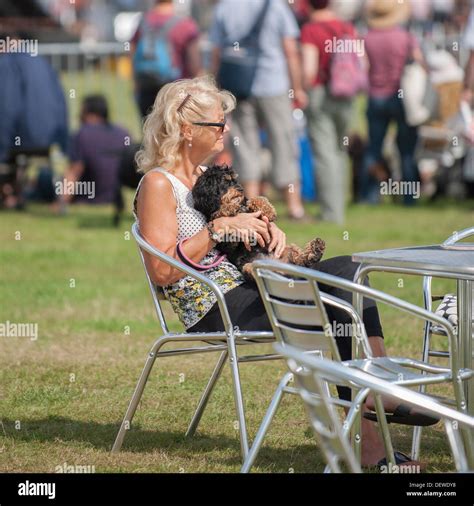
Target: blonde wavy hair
162, 135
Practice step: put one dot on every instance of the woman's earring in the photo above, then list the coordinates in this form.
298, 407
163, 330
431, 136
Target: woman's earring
190, 144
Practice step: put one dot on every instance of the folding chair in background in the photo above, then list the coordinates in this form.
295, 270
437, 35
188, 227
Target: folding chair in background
225, 342
312, 375
294, 304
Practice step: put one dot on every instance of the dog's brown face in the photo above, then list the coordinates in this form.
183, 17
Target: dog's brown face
217, 193
232, 203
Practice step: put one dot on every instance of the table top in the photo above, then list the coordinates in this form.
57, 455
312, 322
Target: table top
435, 259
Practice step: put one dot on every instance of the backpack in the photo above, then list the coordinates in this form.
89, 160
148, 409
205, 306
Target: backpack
238, 69
347, 77
153, 59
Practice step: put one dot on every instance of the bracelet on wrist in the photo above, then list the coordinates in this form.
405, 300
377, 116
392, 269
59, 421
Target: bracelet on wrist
213, 234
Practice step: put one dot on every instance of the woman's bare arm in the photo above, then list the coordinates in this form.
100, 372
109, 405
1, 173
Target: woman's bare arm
156, 209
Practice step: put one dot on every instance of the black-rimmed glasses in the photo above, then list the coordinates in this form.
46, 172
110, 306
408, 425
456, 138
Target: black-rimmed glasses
206, 123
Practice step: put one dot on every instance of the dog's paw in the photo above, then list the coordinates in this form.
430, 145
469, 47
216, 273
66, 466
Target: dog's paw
314, 251
264, 205
247, 272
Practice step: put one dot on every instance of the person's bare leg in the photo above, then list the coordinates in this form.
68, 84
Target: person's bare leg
373, 449
292, 196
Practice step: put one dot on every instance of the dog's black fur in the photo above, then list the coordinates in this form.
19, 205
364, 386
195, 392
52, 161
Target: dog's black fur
207, 193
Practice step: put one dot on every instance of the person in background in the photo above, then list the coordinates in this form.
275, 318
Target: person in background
443, 11
33, 109
421, 15
388, 46
328, 117
33, 112
301, 11
95, 155
278, 73
468, 95
180, 47
202, 12
348, 11
468, 41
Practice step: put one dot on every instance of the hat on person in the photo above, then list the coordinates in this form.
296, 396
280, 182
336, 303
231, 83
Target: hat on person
387, 13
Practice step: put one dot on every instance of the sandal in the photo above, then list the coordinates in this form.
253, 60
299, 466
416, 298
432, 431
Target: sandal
401, 460
402, 415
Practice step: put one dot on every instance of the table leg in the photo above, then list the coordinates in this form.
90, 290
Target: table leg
358, 303
465, 336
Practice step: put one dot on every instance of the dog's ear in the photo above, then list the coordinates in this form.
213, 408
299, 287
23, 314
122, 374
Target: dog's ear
207, 191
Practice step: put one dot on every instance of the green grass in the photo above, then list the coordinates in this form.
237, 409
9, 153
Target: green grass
62, 397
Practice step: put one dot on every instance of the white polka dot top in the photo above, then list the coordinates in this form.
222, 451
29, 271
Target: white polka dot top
189, 298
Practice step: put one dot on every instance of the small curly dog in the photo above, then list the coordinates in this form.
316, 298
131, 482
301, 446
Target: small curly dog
217, 193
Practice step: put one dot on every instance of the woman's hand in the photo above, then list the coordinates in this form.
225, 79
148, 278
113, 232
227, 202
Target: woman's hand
245, 227
278, 238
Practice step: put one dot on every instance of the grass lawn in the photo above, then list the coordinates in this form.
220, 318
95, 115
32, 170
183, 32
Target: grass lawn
62, 396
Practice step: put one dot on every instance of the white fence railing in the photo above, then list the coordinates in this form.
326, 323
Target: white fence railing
99, 68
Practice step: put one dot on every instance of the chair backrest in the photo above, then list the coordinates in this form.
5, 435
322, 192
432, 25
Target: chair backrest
295, 309
324, 418
311, 372
450, 241
292, 278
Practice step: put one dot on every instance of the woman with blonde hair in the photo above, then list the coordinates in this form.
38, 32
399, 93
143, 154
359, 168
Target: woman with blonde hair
185, 129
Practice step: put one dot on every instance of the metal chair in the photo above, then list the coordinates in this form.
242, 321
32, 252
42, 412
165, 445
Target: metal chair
225, 342
431, 329
313, 373
429, 298
293, 302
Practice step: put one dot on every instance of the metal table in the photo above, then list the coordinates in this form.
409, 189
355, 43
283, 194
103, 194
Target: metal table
436, 261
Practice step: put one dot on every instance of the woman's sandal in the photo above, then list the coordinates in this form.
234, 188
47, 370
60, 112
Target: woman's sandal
402, 460
402, 415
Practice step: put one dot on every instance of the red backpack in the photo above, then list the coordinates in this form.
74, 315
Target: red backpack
347, 75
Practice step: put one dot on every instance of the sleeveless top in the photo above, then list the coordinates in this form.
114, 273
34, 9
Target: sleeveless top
189, 298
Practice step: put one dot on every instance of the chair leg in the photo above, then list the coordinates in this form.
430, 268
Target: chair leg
137, 394
206, 394
267, 420
383, 427
461, 406
239, 402
417, 431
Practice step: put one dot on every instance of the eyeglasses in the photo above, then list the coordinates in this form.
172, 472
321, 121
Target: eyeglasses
205, 123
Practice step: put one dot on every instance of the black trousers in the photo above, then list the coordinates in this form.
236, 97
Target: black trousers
247, 311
